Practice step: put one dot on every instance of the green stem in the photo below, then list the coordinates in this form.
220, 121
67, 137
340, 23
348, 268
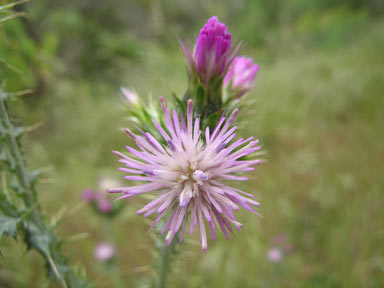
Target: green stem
163, 264
29, 195
116, 276
114, 268
39, 235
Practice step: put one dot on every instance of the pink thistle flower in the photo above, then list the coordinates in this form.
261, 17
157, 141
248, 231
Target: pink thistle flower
104, 205
104, 252
98, 200
211, 55
89, 195
241, 75
275, 255
188, 174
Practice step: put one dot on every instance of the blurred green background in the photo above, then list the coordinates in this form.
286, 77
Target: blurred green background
317, 108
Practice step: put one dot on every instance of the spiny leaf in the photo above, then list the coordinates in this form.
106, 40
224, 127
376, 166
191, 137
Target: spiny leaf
34, 175
36, 238
48, 244
15, 185
8, 225
18, 131
4, 156
6, 207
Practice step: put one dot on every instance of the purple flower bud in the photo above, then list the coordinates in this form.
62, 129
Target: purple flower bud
211, 55
241, 75
130, 96
89, 195
104, 252
104, 205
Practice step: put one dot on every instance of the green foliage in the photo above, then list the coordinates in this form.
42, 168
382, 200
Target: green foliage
27, 218
18, 52
23, 216
105, 46
9, 217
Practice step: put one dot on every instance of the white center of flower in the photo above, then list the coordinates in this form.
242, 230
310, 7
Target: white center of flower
190, 183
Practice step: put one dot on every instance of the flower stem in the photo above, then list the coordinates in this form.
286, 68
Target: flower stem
113, 266
163, 264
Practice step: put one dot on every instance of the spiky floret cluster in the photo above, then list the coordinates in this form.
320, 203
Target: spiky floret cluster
188, 174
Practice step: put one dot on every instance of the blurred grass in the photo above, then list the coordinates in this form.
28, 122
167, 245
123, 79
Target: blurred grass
317, 109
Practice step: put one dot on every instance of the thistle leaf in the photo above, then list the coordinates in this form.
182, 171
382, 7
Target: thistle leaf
8, 225
8, 218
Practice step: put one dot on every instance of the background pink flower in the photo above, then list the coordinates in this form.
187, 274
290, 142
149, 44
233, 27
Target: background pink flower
104, 252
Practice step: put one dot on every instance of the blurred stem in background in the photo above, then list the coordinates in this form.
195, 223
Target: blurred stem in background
112, 265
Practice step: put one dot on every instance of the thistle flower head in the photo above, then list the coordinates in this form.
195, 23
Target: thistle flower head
89, 195
104, 205
98, 199
211, 54
187, 170
104, 252
241, 75
275, 255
